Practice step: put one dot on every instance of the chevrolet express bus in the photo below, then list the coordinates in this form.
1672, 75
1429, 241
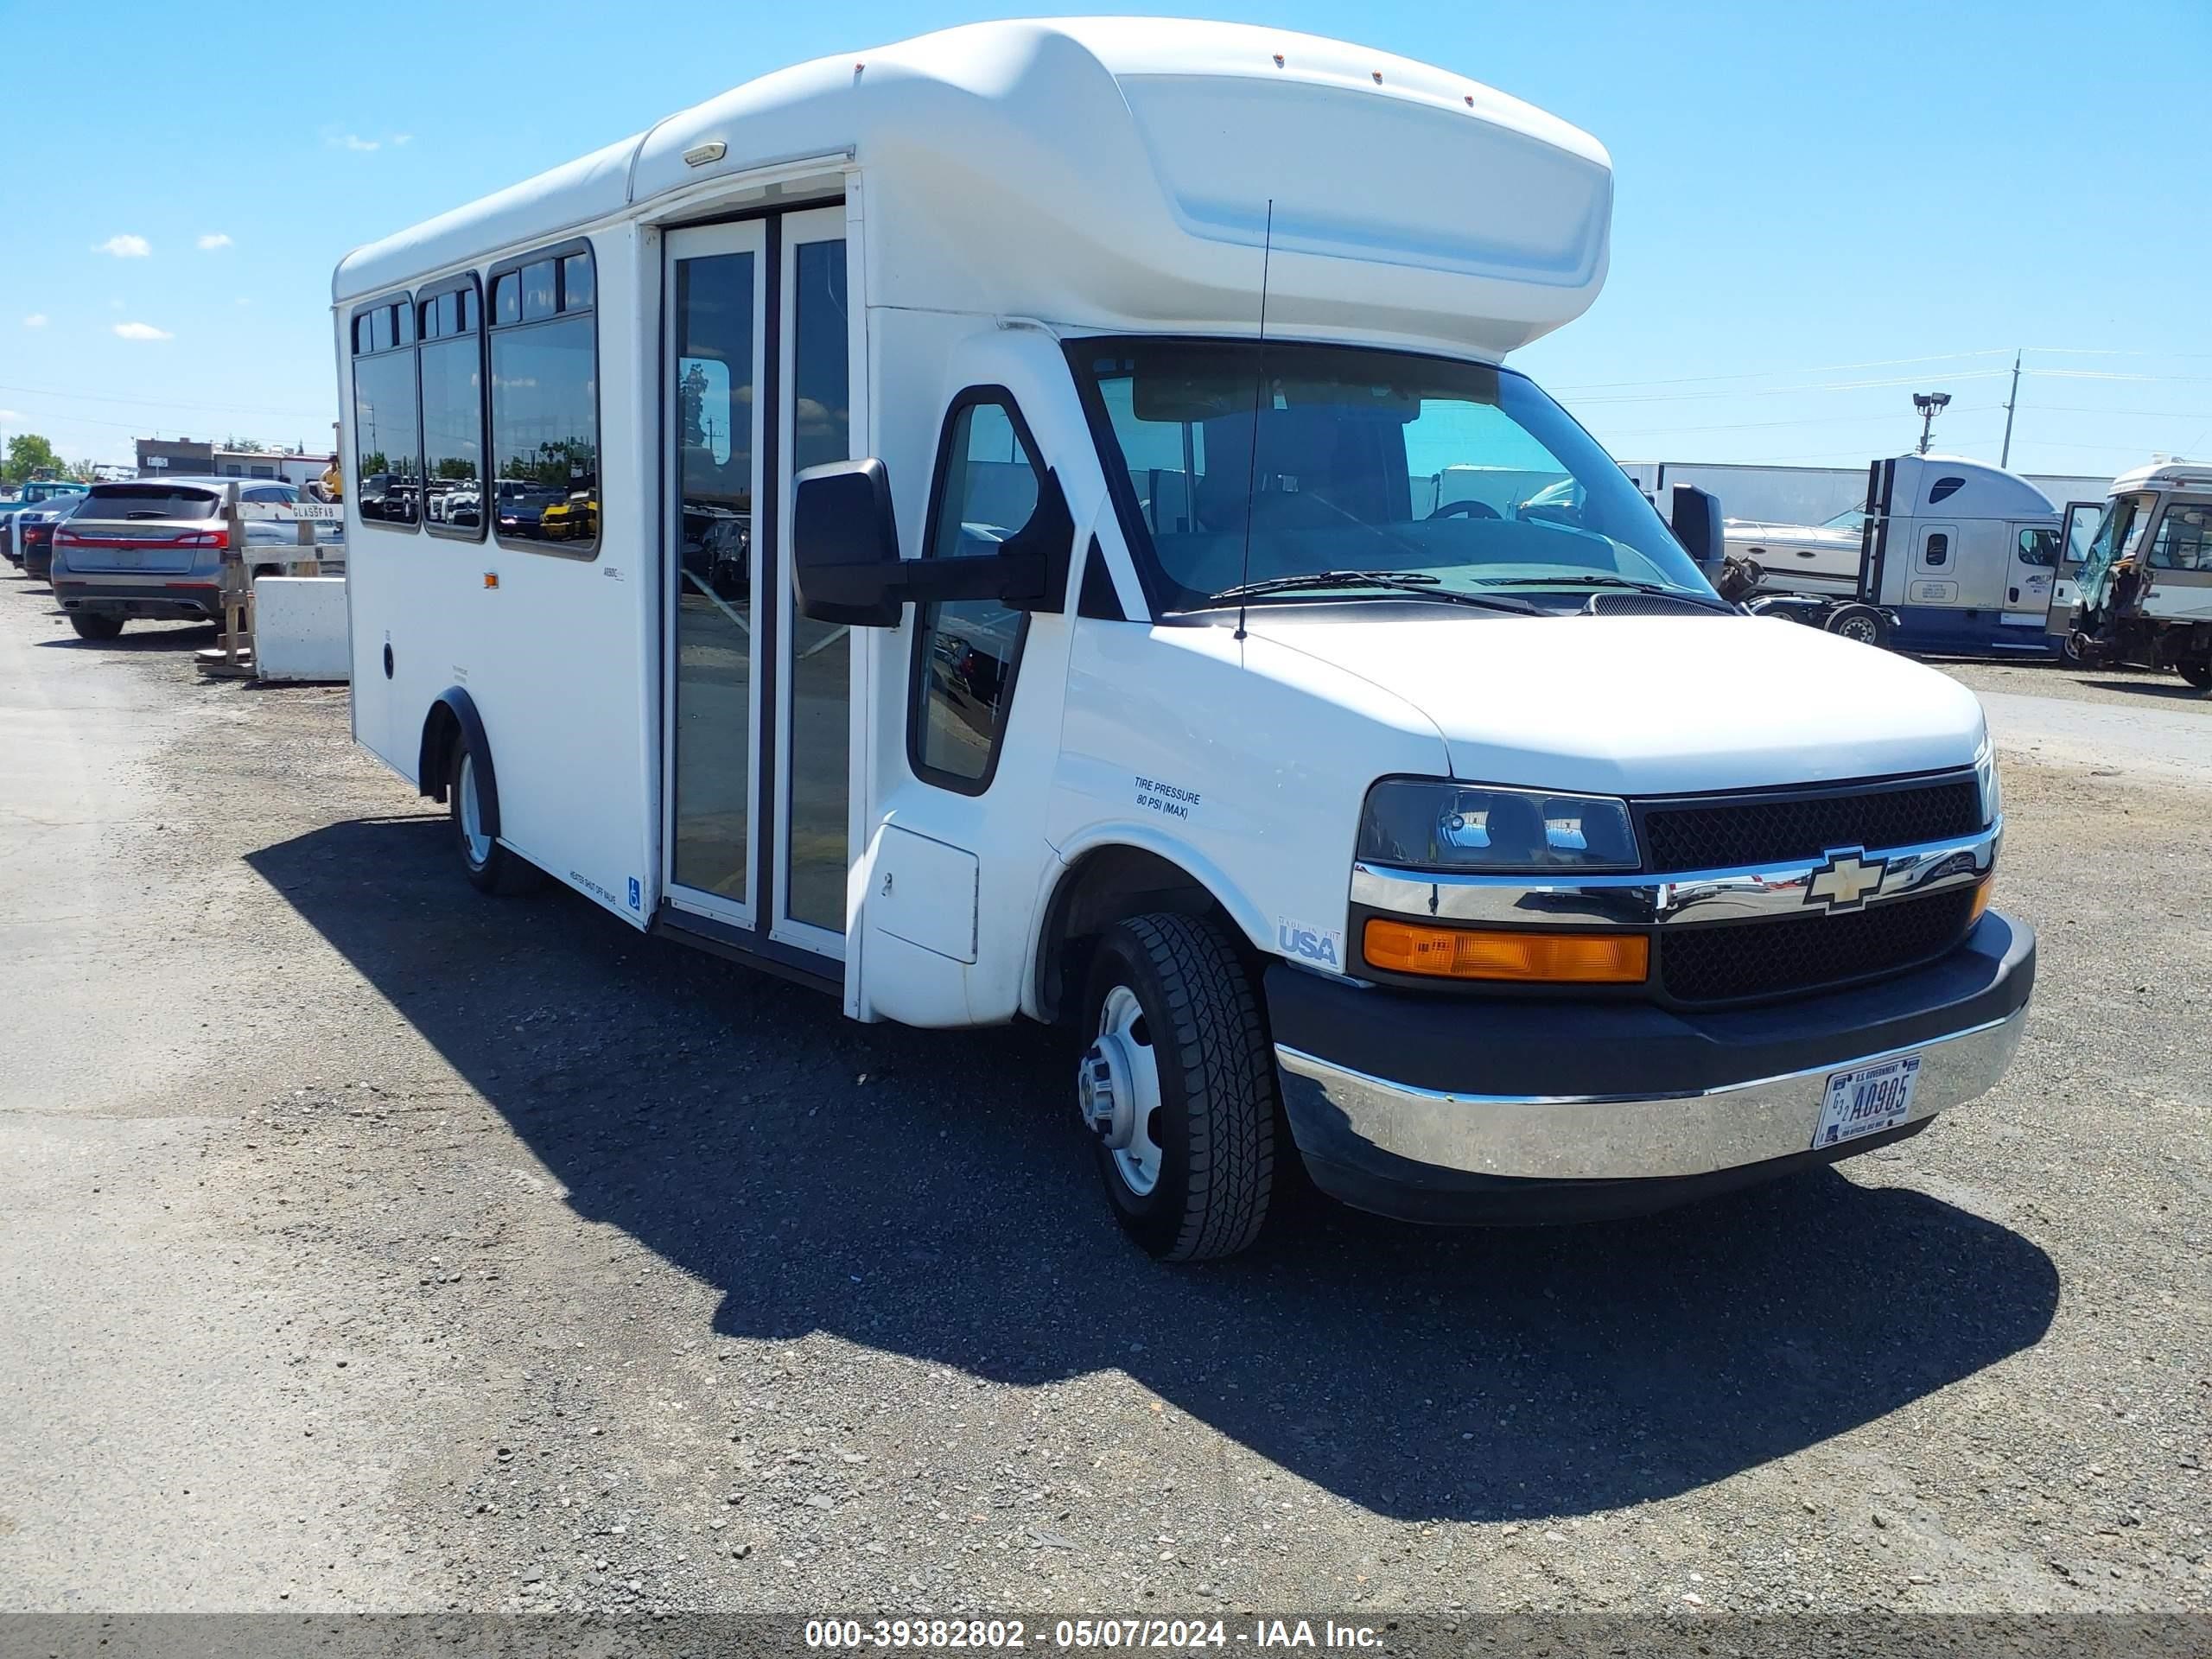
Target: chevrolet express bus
974, 536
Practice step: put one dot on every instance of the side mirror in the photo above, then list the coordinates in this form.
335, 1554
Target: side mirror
845, 544
1694, 516
845, 552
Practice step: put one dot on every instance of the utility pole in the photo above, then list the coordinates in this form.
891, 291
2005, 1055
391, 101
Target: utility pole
2005, 458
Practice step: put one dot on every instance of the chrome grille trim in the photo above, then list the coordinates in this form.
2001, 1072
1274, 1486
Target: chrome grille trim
1640, 900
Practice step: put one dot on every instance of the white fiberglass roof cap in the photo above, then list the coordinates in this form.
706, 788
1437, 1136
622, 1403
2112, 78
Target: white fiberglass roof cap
1124, 174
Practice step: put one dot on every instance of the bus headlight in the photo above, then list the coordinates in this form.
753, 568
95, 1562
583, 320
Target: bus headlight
1436, 824
1985, 778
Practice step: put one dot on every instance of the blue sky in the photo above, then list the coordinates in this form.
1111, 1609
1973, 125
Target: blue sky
1806, 195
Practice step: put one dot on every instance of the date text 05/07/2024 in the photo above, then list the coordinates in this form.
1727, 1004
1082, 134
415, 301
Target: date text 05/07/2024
1164, 1635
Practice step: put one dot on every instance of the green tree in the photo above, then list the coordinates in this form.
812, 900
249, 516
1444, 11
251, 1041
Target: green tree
83, 469
30, 456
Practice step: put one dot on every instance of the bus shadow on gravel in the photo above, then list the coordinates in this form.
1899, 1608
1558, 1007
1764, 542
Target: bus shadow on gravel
932, 1195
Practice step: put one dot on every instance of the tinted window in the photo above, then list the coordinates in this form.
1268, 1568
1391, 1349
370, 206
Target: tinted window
1945, 486
387, 461
577, 287
149, 501
545, 431
506, 298
537, 290
452, 433
1938, 549
2039, 547
2184, 539
987, 490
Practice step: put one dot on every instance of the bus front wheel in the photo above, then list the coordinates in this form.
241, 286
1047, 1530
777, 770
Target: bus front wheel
1178, 1087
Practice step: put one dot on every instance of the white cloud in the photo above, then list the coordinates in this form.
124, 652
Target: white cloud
11, 414
354, 141
124, 247
142, 331
216, 239
36, 320
403, 138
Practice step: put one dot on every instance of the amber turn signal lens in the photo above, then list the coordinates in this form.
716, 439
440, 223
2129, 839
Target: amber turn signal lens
1559, 958
1981, 900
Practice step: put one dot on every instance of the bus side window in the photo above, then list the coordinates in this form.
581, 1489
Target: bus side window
2184, 539
966, 651
2039, 547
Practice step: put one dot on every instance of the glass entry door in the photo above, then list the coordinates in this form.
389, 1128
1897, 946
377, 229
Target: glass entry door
716, 326
759, 699
814, 687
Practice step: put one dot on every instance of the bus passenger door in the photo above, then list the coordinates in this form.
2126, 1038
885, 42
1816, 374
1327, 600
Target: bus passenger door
757, 699
716, 309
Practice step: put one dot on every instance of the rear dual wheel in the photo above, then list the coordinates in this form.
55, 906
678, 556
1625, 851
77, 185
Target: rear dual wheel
1178, 1086
491, 868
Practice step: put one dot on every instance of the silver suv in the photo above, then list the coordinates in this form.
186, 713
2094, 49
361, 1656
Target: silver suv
155, 547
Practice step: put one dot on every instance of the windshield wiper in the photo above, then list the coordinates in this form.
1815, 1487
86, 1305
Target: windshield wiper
1421, 583
1659, 589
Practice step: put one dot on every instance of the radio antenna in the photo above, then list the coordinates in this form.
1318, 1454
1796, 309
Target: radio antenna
1259, 384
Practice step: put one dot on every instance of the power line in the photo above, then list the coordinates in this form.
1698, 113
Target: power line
148, 402
1797, 390
1809, 420
1765, 374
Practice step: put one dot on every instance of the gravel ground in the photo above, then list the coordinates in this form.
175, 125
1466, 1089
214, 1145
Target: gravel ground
374, 1244
2122, 688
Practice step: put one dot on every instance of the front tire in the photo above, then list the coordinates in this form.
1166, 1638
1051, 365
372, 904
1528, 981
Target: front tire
2198, 673
95, 627
1179, 1085
490, 867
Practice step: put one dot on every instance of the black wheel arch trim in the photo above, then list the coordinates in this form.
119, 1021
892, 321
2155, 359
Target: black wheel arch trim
430, 778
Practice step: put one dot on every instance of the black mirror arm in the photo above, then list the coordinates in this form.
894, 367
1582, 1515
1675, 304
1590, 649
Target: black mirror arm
1029, 571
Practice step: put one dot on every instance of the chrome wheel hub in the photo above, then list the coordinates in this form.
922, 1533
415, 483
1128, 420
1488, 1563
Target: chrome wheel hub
472, 814
1117, 1089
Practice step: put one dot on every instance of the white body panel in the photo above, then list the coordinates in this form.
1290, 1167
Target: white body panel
1001, 189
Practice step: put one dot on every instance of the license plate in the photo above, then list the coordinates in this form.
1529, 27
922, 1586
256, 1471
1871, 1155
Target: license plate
1867, 1099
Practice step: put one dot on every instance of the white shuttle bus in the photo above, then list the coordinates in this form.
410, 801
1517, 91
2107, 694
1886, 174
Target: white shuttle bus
980, 525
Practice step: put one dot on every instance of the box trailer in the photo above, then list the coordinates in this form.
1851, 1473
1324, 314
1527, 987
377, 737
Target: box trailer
1033, 522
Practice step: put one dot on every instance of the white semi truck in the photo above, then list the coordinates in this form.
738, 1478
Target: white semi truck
1035, 522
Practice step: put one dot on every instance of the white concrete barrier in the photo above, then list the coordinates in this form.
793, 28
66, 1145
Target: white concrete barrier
299, 628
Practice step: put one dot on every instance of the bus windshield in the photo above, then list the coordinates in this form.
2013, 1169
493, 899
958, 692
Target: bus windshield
1255, 465
2118, 534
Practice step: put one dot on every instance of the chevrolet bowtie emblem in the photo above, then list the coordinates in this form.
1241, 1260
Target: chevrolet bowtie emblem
1844, 881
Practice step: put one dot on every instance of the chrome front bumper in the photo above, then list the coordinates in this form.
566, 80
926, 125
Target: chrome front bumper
1627, 1137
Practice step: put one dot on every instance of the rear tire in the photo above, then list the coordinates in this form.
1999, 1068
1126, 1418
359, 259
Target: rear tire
490, 867
1860, 622
2198, 673
1180, 1035
95, 627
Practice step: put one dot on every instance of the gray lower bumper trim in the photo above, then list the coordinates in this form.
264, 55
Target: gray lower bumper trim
1628, 1138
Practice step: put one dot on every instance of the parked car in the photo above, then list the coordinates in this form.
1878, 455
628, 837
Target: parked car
31, 539
35, 493
154, 548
